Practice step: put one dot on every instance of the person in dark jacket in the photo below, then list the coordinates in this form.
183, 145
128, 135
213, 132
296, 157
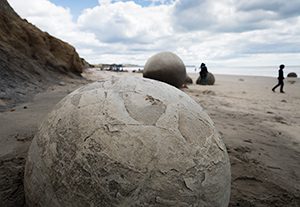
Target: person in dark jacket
203, 73
280, 79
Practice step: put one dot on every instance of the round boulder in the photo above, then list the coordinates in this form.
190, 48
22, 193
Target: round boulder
210, 80
123, 142
166, 67
188, 80
292, 75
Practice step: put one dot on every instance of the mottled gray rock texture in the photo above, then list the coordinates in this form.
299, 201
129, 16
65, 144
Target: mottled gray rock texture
210, 80
127, 142
166, 67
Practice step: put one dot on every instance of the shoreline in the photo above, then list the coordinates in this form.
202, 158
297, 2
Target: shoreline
274, 74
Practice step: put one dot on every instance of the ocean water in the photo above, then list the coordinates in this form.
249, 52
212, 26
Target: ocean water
269, 71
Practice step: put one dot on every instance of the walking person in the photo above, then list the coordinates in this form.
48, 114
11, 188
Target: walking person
280, 79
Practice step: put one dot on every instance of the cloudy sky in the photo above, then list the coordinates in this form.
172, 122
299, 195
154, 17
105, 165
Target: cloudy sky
219, 32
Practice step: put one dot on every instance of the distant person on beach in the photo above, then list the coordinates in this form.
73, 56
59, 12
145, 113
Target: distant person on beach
280, 79
203, 73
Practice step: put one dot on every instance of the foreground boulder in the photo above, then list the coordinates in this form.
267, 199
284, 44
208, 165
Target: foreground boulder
122, 142
210, 80
166, 67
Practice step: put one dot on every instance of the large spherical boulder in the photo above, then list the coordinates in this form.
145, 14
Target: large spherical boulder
166, 67
127, 142
292, 75
210, 80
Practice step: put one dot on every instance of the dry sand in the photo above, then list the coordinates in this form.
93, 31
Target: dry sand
17, 128
260, 129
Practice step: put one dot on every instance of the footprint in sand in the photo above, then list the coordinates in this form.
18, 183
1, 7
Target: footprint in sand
280, 119
248, 178
209, 92
273, 167
243, 149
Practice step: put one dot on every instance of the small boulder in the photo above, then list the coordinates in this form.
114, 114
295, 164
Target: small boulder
188, 80
292, 75
166, 67
210, 80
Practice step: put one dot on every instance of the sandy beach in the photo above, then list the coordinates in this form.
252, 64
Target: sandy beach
125, 147
260, 129
261, 132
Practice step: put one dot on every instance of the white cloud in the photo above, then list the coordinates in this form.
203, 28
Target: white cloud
219, 32
218, 16
283, 9
43, 13
126, 22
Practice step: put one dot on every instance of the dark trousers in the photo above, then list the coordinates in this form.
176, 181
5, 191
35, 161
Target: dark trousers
281, 84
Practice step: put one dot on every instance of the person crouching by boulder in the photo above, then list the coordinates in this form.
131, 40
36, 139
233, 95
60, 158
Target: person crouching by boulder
203, 74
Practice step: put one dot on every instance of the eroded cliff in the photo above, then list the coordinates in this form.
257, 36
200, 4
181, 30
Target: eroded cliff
30, 59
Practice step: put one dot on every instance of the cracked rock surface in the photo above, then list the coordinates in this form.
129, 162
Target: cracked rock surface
127, 142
